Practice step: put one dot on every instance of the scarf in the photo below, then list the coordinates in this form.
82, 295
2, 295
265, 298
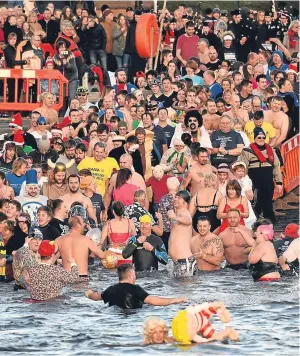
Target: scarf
292, 39
180, 157
260, 156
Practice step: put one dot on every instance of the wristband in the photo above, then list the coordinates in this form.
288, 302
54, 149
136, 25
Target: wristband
73, 264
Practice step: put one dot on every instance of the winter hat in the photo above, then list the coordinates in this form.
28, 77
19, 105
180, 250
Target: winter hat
82, 90
258, 131
16, 121
41, 121
35, 233
19, 138
49, 60
46, 248
292, 230
107, 12
31, 177
223, 168
56, 129
78, 210
44, 144
280, 54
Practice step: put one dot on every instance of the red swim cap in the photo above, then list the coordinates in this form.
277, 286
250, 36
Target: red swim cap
46, 248
292, 230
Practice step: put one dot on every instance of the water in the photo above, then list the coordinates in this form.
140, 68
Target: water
266, 315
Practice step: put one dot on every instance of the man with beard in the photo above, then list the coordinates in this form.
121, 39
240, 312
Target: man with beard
57, 184
195, 176
68, 157
75, 195
212, 38
207, 247
32, 200
121, 82
214, 62
211, 120
80, 153
237, 241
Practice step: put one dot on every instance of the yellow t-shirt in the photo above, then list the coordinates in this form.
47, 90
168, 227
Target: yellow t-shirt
101, 171
266, 126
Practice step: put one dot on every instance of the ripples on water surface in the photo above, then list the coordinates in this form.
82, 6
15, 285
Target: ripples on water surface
265, 314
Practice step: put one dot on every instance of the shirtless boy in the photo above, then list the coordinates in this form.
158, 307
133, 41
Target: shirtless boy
180, 237
207, 247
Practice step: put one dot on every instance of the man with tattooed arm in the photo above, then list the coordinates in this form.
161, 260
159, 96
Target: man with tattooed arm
207, 247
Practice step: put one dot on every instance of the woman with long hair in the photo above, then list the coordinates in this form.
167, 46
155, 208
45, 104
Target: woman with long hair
124, 190
205, 202
26, 31
119, 34
117, 232
173, 71
180, 103
66, 14
34, 27
233, 199
291, 38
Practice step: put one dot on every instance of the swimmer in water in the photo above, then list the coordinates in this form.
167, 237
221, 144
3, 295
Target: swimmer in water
156, 331
263, 258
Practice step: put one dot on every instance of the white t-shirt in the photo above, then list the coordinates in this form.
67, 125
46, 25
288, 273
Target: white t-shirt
292, 253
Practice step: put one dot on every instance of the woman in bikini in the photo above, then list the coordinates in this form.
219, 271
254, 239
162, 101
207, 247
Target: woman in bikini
206, 201
233, 199
118, 232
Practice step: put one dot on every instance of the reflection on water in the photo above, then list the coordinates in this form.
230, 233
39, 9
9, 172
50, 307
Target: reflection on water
265, 314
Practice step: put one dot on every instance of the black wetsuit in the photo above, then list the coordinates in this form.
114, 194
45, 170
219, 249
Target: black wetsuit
145, 260
125, 295
211, 214
261, 268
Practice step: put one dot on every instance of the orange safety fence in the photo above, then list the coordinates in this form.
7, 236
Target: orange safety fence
290, 153
26, 78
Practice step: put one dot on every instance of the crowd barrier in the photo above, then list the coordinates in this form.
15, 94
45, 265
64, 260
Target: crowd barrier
290, 170
28, 79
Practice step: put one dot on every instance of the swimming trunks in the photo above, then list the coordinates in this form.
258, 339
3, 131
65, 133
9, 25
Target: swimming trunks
186, 267
238, 266
261, 268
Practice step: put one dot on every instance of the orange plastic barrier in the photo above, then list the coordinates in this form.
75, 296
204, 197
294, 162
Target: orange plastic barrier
48, 48
290, 151
28, 76
146, 37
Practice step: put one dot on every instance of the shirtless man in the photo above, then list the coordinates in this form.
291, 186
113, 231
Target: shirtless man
75, 195
207, 247
185, 264
136, 179
278, 119
236, 112
46, 109
237, 241
211, 120
195, 174
78, 246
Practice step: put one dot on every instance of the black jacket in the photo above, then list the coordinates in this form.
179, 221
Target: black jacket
38, 157
51, 28
116, 153
29, 140
97, 37
130, 45
12, 29
10, 57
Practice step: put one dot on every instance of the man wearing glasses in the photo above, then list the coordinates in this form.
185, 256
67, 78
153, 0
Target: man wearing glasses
258, 121
263, 169
82, 96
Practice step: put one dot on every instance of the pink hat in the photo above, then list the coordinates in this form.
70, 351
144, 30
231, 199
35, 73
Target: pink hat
49, 60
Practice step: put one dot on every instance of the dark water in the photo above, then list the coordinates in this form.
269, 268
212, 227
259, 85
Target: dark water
265, 314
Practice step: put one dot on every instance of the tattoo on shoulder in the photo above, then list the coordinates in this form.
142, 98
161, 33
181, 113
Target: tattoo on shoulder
217, 242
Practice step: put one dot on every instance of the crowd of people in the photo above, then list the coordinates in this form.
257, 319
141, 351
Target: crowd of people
174, 165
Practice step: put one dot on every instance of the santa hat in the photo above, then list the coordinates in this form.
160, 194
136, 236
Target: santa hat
19, 138
17, 121
56, 129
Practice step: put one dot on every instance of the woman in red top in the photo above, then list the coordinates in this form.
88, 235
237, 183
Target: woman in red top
235, 200
118, 232
124, 190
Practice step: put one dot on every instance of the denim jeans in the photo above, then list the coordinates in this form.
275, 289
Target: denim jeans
100, 54
123, 61
72, 89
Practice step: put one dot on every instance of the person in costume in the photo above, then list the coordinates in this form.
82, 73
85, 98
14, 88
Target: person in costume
263, 168
31, 200
156, 331
263, 258
193, 325
174, 160
57, 184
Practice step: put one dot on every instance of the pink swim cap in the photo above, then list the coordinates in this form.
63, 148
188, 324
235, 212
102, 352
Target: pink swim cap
267, 231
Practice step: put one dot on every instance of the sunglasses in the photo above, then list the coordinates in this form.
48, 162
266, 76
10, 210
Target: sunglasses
22, 219
81, 94
58, 143
190, 121
261, 137
12, 126
41, 124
